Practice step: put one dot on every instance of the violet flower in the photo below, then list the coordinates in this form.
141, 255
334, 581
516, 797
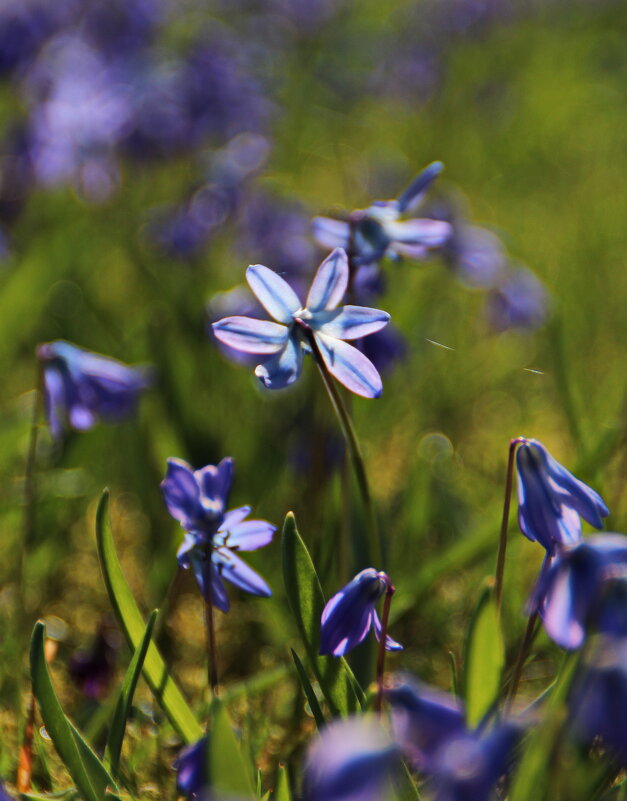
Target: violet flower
197, 499
352, 760
519, 301
370, 234
322, 317
81, 388
350, 614
463, 765
191, 769
584, 589
551, 499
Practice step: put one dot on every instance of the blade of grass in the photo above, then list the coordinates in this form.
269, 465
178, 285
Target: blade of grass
309, 691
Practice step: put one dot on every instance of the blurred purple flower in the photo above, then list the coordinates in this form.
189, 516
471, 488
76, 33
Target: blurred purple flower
93, 669
191, 769
584, 589
197, 499
598, 699
351, 760
321, 318
476, 256
551, 500
121, 28
430, 728
519, 301
81, 388
370, 234
25, 25
350, 614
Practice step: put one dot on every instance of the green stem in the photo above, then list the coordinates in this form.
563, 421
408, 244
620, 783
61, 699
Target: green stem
500, 560
212, 662
348, 431
381, 654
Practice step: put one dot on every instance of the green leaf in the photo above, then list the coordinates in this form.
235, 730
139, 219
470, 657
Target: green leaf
337, 682
88, 773
132, 622
282, 792
125, 700
229, 775
484, 659
309, 691
535, 764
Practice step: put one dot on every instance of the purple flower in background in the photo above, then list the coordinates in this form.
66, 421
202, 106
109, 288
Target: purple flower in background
551, 500
321, 318
585, 588
520, 301
370, 234
191, 769
93, 669
430, 728
351, 760
197, 499
476, 256
350, 614
598, 699
82, 388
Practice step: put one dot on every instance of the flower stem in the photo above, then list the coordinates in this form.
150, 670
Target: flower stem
212, 661
500, 560
348, 431
525, 645
381, 653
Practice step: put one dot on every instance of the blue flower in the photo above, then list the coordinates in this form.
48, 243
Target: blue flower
598, 700
350, 614
81, 387
585, 587
191, 769
551, 499
519, 301
197, 499
322, 316
430, 728
370, 234
352, 760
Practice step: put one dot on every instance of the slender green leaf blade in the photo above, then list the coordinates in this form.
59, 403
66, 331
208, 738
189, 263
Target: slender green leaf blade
125, 700
132, 622
306, 601
90, 781
483, 660
229, 775
282, 792
309, 691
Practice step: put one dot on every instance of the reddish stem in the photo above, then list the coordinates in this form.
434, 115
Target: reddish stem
500, 560
381, 654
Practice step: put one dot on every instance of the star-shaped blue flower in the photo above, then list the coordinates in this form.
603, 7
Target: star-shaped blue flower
197, 499
378, 231
322, 317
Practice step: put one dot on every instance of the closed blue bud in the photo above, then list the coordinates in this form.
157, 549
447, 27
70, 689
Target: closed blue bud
551, 500
350, 614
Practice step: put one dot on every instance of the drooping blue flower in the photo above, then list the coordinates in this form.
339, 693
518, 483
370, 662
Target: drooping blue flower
82, 388
351, 760
287, 339
197, 499
598, 699
585, 589
350, 614
191, 769
462, 764
551, 500
370, 234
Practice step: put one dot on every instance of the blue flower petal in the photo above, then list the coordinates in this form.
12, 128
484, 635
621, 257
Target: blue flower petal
55, 401
418, 232
190, 542
390, 643
414, 193
581, 497
181, 492
235, 570
249, 535
347, 617
274, 294
233, 517
349, 366
329, 283
283, 369
250, 335
331, 233
210, 581
215, 484
350, 322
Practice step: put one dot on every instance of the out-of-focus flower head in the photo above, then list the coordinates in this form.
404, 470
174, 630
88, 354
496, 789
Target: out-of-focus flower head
351, 760
25, 25
191, 769
82, 388
520, 301
92, 670
321, 318
429, 726
551, 500
370, 234
476, 256
197, 499
584, 590
121, 28
351, 613
598, 699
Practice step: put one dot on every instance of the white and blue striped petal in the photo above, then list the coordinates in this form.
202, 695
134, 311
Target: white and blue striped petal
235, 570
329, 283
331, 233
250, 335
415, 192
275, 295
349, 366
350, 322
283, 369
